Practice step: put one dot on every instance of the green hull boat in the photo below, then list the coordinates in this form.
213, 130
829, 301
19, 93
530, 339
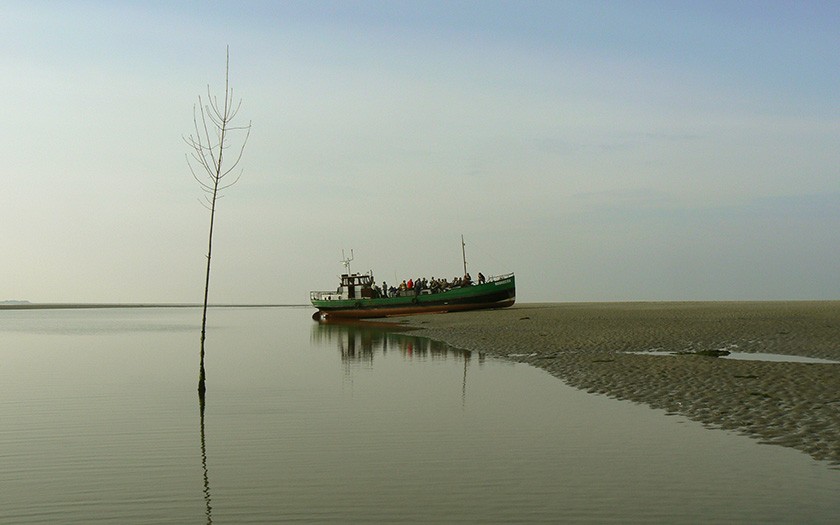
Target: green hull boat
357, 297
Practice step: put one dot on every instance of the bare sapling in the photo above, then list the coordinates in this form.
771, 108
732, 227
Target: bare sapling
215, 133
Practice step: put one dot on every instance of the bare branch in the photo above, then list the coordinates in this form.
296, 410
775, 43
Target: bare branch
241, 150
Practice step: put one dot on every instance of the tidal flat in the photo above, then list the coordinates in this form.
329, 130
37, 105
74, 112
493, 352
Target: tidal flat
321, 422
624, 351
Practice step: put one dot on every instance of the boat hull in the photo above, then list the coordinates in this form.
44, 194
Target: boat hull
495, 294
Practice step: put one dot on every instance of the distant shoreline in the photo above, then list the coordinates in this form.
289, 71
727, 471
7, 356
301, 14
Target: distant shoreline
76, 306
26, 305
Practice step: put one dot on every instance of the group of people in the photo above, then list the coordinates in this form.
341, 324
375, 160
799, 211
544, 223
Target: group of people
417, 286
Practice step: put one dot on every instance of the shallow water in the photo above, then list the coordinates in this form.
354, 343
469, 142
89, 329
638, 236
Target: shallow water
308, 422
777, 358
753, 356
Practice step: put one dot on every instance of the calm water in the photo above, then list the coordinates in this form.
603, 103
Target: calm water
99, 421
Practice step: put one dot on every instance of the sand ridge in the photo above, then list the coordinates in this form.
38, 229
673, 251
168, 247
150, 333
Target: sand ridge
593, 346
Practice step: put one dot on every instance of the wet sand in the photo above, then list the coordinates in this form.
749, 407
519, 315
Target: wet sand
592, 346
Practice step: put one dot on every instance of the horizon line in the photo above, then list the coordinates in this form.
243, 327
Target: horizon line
25, 305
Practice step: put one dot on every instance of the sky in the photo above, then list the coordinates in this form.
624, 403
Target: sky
602, 151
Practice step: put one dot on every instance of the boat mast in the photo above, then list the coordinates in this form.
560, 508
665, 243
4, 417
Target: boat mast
464, 253
346, 261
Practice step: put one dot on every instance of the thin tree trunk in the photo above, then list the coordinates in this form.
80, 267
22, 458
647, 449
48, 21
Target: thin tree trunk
202, 376
208, 155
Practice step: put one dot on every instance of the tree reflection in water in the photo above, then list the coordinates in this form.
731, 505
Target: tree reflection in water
208, 507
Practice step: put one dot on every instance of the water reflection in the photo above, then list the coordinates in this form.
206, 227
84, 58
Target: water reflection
208, 508
359, 342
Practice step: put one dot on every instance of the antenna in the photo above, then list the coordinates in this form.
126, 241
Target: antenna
345, 261
464, 253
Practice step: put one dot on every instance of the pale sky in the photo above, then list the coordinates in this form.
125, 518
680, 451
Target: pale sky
603, 151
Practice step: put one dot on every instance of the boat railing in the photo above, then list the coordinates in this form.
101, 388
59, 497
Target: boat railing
494, 278
324, 296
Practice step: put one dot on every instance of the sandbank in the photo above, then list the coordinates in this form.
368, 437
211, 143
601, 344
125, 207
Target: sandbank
594, 347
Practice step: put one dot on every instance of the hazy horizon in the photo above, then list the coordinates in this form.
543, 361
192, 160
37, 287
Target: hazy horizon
602, 151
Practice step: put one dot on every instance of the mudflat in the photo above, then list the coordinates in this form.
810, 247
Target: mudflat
654, 353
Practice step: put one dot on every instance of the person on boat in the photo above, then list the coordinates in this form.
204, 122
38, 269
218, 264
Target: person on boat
409, 285
467, 279
385, 289
481, 279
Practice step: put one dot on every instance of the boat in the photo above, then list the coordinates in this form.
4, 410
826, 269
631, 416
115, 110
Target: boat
357, 296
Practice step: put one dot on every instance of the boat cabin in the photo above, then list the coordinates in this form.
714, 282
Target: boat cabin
353, 286
356, 286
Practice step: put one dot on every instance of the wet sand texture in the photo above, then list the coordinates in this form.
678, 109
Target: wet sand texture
590, 345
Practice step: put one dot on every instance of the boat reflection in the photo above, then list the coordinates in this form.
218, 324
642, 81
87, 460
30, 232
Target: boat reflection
359, 342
